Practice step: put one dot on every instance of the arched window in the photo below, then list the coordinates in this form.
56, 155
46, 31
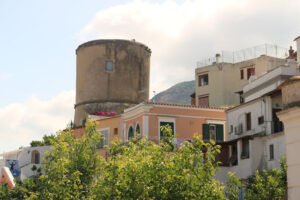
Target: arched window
35, 157
130, 133
138, 129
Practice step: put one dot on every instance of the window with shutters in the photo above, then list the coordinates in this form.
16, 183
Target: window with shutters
105, 138
213, 132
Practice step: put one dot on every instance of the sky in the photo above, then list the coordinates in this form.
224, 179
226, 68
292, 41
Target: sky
38, 40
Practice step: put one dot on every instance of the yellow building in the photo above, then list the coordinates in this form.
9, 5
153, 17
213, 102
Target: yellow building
220, 81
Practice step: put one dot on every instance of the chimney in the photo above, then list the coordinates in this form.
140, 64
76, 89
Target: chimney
291, 53
297, 40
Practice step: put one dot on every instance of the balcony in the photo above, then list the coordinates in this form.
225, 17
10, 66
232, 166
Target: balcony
269, 81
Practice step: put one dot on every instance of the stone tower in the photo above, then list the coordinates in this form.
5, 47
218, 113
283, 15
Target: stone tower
111, 75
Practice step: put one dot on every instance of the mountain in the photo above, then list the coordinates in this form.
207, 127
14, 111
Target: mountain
177, 94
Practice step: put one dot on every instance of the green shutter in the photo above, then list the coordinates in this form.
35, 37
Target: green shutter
220, 133
205, 131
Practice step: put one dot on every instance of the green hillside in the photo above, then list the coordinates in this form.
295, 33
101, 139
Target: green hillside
177, 94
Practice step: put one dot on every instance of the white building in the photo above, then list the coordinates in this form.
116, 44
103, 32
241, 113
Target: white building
26, 159
255, 136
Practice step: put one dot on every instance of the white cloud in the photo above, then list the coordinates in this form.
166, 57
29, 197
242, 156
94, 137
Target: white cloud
179, 34
23, 122
5, 76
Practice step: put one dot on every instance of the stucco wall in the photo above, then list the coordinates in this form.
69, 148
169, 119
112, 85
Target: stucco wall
291, 119
100, 90
291, 94
187, 120
257, 108
259, 157
225, 80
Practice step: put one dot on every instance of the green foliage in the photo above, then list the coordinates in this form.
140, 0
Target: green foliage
268, 185
47, 140
71, 167
140, 169
144, 170
21, 190
234, 185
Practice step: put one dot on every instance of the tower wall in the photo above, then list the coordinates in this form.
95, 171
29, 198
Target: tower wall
111, 75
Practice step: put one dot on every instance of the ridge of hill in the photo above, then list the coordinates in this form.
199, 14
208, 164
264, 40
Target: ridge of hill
177, 94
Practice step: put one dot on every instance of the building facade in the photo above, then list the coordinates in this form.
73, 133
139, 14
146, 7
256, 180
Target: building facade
291, 119
21, 162
256, 139
111, 75
185, 121
221, 83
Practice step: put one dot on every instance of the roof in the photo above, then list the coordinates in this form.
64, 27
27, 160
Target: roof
248, 102
181, 105
107, 41
294, 78
297, 38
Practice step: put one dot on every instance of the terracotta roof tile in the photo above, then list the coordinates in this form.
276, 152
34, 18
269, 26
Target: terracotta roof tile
181, 105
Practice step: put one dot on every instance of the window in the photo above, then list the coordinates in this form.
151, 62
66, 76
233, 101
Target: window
203, 80
250, 72
245, 149
35, 157
231, 128
138, 129
242, 99
115, 131
248, 121
242, 74
161, 124
271, 148
105, 141
261, 120
130, 133
109, 66
213, 132
203, 101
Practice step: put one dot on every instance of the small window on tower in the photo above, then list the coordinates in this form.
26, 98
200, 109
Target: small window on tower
109, 66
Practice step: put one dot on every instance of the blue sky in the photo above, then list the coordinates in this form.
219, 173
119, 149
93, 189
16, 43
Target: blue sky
38, 42
38, 39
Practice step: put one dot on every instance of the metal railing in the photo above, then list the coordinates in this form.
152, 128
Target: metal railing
246, 54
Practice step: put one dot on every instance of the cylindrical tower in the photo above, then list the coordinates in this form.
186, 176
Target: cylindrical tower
111, 75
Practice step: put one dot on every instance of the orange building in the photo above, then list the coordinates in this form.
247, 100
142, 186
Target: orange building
185, 120
110, 128
145, 119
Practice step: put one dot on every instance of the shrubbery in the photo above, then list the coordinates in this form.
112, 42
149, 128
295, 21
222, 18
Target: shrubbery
138, 170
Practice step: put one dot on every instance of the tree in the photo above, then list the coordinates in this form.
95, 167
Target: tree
71, 167
47, 140
144, 170
268, 185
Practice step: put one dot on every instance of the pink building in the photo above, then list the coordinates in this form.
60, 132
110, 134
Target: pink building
146, 118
